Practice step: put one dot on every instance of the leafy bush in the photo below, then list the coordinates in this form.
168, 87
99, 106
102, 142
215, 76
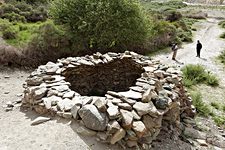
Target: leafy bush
223, 108
102, 24
215, 105
9, 33
197, 74
13, 17
173, 15
222, 23
202, 108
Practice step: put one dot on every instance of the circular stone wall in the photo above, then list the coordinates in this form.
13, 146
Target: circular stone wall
123, 97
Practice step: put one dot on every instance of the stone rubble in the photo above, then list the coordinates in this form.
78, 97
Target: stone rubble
122, 97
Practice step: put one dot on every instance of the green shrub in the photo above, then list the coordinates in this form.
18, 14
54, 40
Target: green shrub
172, 15
223, 108
222, 35
215, 105
222, 57
5, 24
211, 80
197, 74
9, 33
102, 24
202, 108
219, 120
13, 17
222, 23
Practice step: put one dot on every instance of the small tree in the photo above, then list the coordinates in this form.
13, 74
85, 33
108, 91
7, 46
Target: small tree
101, 24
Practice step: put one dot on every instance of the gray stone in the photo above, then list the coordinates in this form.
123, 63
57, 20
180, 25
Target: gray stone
145, 108
193, 133
74, 111
61, 88
85, 131
102, 136
129, 101
34, 81
116, 100
159, 73
113, 112
162, 103
151, 122
135, 115
92, 118
139, 128
39, 93
131, 135
131, 143
69, 94
67, 115
125, 106
65, 104
137, 89
131, 94
51, 101
127, 119
100, 103
147, 96
113, 126
118, 136
40, 120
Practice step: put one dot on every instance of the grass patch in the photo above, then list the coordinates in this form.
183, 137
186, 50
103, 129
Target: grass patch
23, 32
222, 57
219, 120
215, 105
196, 74
202, 108
223, 108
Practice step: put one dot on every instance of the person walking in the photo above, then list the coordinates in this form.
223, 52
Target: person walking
174, 49
198, 48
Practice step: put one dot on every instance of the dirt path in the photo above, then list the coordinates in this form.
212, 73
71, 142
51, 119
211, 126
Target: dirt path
208, 34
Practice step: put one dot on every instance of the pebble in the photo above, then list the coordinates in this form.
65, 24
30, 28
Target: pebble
6, 77
40, 120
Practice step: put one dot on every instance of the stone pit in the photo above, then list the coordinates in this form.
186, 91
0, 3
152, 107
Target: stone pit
119, 97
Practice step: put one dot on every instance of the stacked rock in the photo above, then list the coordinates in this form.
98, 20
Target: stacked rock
141, 94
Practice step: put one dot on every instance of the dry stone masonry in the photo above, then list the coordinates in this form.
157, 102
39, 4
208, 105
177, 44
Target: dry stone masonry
119, 97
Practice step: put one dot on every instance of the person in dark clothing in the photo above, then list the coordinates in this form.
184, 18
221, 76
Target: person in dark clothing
198, 47
174, 49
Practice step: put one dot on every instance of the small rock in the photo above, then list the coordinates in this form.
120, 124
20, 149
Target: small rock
135, 115
67, 115
6, 77
113, 126
127, 119
159, 74
8, 109
74, 111
202, 142
18, 101
9, 104
100, 103
65, 104
195, 134
131, 143
118, 136
69, 94
131, 94
93, 118
19, 95
7, 92
39, 93
131, 135
113, 112
85, 131
40, 120
139, 128
125, 106
102, 136
145, 108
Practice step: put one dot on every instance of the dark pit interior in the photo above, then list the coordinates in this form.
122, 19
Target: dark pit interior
117, 76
